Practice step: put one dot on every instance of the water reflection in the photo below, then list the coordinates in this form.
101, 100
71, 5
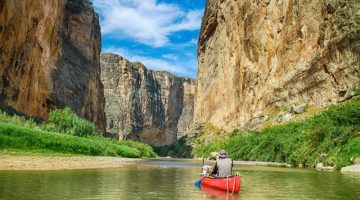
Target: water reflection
174, 180
211, 193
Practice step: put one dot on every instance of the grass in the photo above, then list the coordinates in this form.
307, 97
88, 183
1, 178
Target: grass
68, 135
334, 133
27, 152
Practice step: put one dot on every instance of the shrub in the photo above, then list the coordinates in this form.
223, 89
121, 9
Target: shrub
335, 132
66, 121
23, 134
17, 120
14, 137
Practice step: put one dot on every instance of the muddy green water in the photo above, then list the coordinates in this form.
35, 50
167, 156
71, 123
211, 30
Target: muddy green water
169, 179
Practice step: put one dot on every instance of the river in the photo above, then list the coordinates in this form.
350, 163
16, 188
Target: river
173, 179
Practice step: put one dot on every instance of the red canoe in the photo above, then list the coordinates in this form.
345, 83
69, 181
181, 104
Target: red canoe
230, 184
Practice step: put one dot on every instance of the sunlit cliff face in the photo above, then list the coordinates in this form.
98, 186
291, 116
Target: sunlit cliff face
50, 58
257, 55
154, 107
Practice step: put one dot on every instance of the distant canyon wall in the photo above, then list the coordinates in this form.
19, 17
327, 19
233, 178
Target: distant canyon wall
255, 56
50, 58
154, 107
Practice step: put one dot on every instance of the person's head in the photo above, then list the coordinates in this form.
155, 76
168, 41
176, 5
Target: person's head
223, 154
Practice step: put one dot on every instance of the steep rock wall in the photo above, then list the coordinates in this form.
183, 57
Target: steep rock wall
154, 107
257, 55
50, 58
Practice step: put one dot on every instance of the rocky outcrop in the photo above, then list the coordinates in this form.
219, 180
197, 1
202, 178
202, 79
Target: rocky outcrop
154, 107
256, 56
50, 58
351, 169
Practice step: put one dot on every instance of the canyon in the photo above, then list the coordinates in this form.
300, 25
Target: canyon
256, 60
153, 107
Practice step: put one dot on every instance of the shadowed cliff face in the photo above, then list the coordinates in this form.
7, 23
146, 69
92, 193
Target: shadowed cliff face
50, 58
255, 56
153, 107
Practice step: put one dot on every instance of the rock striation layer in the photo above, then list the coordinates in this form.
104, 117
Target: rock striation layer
256, 56
50, 58
154, 107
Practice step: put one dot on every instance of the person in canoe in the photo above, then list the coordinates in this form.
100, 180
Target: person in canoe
223, 165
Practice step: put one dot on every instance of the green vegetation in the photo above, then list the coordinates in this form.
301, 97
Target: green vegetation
346, 25
64, 134
66, 121
334, 133
357, 91
178, 150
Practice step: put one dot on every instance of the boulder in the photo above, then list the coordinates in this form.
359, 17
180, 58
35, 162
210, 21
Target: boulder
299, 108
256, 122
320, 166
352, 169
356, 161
279, 116
287, 117
349, 94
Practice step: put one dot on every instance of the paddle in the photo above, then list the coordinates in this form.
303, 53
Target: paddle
198, 182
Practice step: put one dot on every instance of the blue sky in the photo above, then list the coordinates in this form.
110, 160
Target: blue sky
162, 34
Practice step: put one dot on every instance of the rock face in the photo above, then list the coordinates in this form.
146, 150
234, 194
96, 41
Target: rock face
154, 107
50, 58
255, 56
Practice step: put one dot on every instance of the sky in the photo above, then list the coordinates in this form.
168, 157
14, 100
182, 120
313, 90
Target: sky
162, 34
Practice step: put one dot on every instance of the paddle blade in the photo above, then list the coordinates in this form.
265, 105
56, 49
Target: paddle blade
198, 182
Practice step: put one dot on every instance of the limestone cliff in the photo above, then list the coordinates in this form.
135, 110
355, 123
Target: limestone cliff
50, 58
154, 107
256, 56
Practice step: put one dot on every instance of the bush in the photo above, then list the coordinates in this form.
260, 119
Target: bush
335, 132
14, 137
66, 121
180, 149
17, 120
23, 134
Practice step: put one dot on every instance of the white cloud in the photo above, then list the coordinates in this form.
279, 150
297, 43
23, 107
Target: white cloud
146, 21
168, 64
170, 57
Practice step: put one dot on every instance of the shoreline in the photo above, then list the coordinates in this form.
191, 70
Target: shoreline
53, 163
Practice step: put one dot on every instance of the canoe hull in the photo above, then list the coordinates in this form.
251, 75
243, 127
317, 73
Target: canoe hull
229, 184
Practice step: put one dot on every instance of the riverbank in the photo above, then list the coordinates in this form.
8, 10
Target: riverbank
331, 137
64, 133
40, 163
239, 163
